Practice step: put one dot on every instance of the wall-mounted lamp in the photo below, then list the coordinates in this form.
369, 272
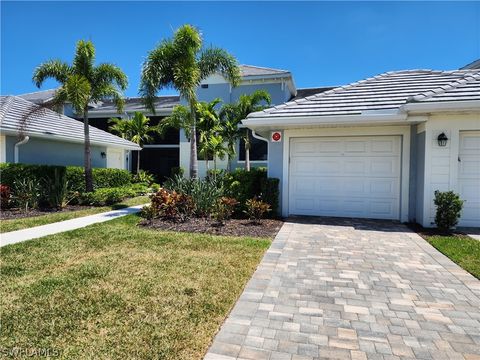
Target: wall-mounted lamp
442, 139
103, 154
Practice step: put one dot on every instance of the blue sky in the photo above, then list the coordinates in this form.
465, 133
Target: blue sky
322, 43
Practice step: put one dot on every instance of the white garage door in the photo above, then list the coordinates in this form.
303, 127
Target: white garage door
345, 176
469, 177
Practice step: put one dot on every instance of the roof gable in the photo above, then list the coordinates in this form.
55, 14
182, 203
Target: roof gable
43, 122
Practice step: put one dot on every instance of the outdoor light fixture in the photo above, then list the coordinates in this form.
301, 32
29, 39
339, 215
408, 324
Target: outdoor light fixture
442, 139
103, 154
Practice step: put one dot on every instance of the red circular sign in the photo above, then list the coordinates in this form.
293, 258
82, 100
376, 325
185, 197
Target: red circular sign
276, 136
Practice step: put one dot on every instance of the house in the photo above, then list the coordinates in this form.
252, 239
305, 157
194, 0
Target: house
173, 150
31, 134
378, 148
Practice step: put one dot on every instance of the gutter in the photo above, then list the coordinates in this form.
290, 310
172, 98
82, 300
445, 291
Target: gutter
279, 122
17, 144
422, 107
70, 140
256, 136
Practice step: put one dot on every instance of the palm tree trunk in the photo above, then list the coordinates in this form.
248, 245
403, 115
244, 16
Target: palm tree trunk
229, 163
247, 150
138, 161
193, 143
87, 159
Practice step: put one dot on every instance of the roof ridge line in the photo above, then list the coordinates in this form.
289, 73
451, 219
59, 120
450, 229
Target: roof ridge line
264, 67
467, 78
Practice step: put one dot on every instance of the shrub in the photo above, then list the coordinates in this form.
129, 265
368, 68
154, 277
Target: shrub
143, 177
106, 196
27, 193
148, 212
55, 189
139, 188
256, 209
50, 177
102, 178
171, 205
204, 193
270, 192
177, 170
5, 196
449, 208
155, 187
225, 208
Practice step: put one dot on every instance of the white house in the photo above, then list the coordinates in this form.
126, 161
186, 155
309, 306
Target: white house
378, 148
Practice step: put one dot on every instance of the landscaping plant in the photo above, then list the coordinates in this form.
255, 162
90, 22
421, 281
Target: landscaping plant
256, 209
225, 208
449, 208
27, 193
143, 176
5, 196
171, 205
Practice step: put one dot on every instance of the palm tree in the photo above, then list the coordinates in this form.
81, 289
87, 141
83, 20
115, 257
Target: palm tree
81, 84
208, 126
233, 114
137, 130
182, 63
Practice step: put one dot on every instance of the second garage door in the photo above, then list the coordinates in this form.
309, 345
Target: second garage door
345, 176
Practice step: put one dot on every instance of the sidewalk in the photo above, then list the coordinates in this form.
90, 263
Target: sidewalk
18, 236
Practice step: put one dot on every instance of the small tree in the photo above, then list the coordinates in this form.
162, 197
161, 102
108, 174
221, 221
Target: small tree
449, 208
233, 114
137, 130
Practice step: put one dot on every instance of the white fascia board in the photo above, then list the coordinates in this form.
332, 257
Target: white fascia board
423, 107
70, 140
307, 121
102, 114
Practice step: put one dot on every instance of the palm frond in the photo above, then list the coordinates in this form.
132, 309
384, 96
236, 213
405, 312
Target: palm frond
110, 74
84, 59
214, 60
52, 69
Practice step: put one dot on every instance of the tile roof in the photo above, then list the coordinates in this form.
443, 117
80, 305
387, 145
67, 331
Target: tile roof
250, 70
304, 92
133, 104
46, 122
386, 91
39, 97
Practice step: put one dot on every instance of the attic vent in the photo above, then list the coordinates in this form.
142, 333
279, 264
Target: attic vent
204, 86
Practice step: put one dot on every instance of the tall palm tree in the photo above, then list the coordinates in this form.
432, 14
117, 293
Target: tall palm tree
81, 84
233, 114
136, 129
182, 63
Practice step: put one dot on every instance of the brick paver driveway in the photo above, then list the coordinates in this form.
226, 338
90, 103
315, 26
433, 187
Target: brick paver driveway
351, 289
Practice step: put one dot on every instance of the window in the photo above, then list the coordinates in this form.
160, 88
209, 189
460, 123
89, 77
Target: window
204, 86
258, 149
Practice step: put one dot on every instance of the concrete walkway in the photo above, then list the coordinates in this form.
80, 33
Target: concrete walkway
348, 289
14, 237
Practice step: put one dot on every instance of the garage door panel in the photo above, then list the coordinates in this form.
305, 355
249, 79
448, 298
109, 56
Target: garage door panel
351, 179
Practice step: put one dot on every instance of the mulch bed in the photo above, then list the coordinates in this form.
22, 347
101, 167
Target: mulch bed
427, 232
16, 213
233, 227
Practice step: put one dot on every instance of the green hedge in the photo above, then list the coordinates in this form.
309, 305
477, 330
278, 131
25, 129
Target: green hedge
102, 178
243, 185
51, 179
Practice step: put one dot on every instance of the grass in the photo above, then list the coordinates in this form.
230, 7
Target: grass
118, 291
461, 249
24, 223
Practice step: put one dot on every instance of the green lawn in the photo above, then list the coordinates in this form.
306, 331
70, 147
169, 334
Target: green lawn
117, 291
462, 250
18, 224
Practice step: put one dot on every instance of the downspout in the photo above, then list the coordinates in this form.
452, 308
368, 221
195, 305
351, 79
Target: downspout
21, 142
256, 136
